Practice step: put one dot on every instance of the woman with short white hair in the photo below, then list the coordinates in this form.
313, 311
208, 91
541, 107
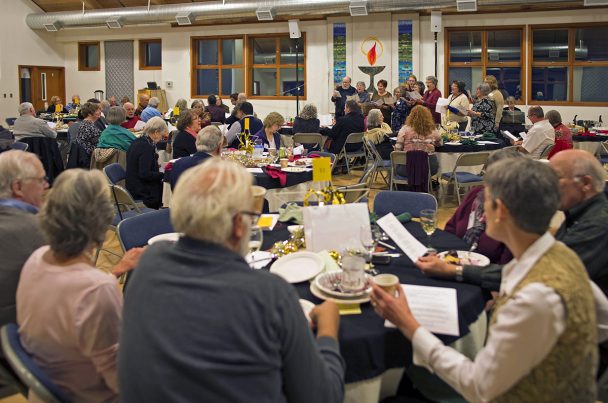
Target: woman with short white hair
69, 312
144, 181
483, 111
378, 132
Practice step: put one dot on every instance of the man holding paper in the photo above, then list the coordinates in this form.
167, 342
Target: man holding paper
540, 135
340, 94
543, 334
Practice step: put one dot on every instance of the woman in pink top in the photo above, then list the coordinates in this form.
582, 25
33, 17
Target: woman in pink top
68, 311
563, 135
419, 133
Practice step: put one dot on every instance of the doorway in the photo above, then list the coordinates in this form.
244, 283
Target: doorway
38, 84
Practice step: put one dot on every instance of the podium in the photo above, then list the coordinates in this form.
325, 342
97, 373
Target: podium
160, 94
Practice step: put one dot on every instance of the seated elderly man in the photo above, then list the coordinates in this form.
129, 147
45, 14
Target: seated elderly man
548, 318
131, 118
205, 326
28, 125
143, 103
151, 110
585, 229
540, 135
22, 186
244, 112
209, 143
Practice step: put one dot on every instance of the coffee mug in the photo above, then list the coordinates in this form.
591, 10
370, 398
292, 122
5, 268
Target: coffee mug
388, 282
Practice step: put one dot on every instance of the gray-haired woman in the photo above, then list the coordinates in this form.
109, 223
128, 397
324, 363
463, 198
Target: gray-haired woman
378, 132
144, 181
483, 112
114, 135
69, 312
543, 335
307, 121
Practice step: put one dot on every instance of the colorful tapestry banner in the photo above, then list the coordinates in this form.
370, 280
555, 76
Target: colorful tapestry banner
340, 52
405, 50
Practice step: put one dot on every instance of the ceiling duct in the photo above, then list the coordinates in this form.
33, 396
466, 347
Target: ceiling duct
357, 8
52, 26
466, 5
590, 3
214, 10
184, 18
114, 23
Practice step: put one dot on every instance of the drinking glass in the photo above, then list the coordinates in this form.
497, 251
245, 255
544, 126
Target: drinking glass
369, 240
353, 274
255, 240
428, 220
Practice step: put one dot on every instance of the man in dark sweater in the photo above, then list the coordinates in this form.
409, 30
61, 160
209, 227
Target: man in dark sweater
205, 326
585, 229
22, 186
352, 122
341, 94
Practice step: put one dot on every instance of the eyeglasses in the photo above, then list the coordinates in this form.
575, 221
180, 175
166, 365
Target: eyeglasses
39, 179
253, 216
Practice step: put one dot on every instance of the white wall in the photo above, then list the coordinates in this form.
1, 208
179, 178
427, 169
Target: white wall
21, 46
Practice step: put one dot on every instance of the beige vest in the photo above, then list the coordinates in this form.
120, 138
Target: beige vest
567, 374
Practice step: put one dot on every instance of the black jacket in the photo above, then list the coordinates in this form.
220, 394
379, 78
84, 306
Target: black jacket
306, 125
341, 101
143, 180
184, 144
48, 151
345, 125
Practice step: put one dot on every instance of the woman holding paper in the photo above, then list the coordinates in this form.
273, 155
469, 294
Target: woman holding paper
384, 100
458, 105
543, 335
430, 97
483, 111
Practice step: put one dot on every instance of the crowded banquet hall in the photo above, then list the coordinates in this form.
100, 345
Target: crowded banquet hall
358, 201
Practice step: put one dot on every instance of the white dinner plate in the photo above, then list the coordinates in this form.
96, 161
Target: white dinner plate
321, 295
298, 266
302, 162
171, 237
453, 143
294, 228
307, 306
259, 259
294, 169
466, 257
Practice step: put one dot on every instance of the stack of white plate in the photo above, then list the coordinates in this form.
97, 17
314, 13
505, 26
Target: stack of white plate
327, 287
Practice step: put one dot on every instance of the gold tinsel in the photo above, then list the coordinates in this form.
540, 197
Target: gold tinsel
328, 195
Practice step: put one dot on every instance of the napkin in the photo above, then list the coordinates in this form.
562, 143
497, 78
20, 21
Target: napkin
402, 218
488, 136
468, 142
328, 262
277, 173
291, 212
349, 309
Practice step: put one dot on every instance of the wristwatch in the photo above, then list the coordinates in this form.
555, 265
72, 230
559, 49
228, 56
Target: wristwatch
459, 270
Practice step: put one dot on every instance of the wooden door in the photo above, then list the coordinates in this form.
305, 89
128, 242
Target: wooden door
46, 82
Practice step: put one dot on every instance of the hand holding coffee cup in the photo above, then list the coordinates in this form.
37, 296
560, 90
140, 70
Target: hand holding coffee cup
388, 282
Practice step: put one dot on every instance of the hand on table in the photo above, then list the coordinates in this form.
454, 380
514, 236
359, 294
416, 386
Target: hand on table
128, 261
326, 318
395, 309
433, 265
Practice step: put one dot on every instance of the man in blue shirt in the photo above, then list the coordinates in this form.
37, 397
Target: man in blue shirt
151, 110
208, 328
22, 186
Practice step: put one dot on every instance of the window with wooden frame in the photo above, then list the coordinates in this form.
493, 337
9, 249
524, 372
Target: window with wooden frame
89, 56
217, 65
568, 64
473, 53
150, 54
272, 67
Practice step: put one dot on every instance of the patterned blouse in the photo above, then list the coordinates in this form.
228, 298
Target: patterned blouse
399, 114
485, 122
409, 140
88, 136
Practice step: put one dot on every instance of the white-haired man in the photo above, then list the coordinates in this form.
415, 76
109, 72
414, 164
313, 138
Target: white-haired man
28, 125
209, 143
151, 110
132, 118
22, 186
205, 326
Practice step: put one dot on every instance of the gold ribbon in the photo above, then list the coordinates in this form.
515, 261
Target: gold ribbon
328, 195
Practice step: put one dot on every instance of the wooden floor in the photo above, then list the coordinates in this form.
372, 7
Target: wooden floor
112, 251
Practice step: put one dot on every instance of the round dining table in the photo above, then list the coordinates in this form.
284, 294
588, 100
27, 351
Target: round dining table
368, 347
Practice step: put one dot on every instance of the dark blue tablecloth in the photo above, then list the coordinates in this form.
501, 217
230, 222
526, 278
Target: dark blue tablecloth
368, 347
447, 148
589, 138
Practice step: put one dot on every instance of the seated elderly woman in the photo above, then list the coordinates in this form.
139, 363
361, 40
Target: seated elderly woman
483, 112
269, 134
379, 133
184, 143
419, 133
69, 312
181, 105
144, 181
307, 121
88, 133
543, 335
55, 106
197, 104
563, 135
114, 135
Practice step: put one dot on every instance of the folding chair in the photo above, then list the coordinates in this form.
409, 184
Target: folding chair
465, 179
10, 121
332, 156
355, 193
17, 145
397, 158
116, 175
402, 202
309, 140
546, 151
135, 231
379, 165
26, 369
352, 140
602, 152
